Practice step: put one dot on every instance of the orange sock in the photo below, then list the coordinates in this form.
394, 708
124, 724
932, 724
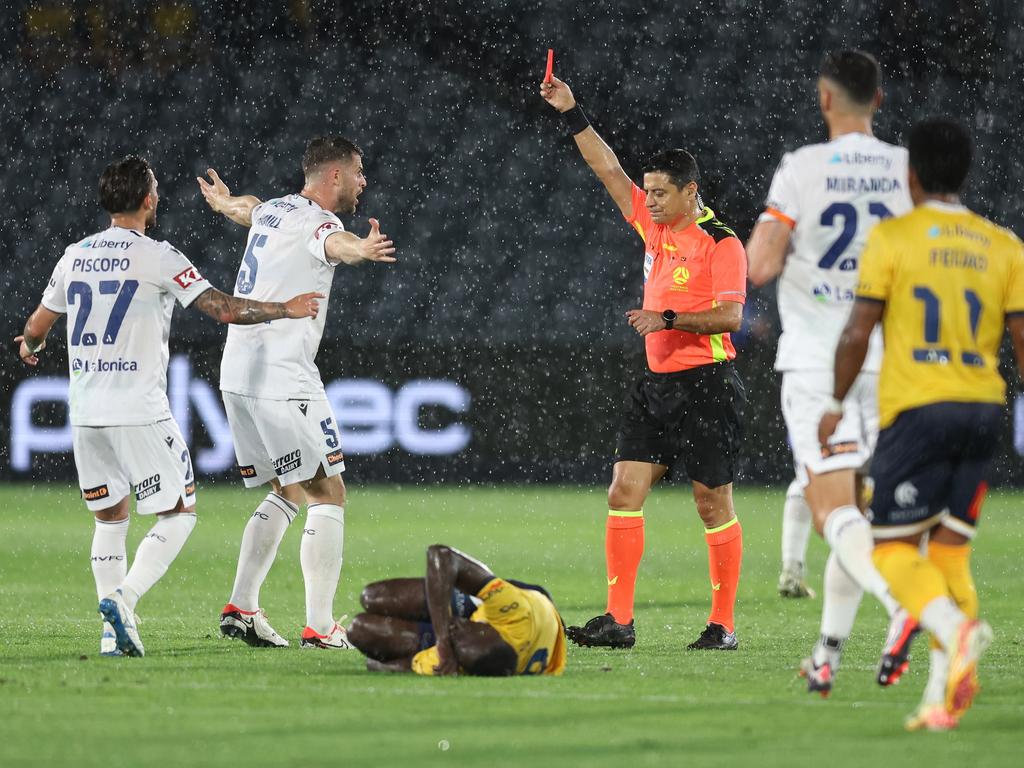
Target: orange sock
623, 549
725, 555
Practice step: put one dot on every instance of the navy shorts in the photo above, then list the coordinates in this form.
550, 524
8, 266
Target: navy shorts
931, 466
692, 415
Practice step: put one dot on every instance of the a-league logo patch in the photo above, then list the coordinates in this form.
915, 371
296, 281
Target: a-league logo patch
92, 494
188, 277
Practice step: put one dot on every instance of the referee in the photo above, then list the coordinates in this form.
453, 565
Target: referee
686, 406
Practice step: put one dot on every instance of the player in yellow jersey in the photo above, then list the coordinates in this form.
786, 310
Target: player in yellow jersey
460, 619
943, 282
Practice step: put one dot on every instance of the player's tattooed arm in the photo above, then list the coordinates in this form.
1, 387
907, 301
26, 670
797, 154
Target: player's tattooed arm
598, 155
349, 248
448, 569
238, 208
231, 309
33, 339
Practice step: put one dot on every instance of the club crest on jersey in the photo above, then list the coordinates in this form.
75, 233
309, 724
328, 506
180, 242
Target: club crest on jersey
325, 229
188, 277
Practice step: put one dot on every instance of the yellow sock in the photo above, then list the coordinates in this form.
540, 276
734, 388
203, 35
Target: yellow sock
913, 579
954, 560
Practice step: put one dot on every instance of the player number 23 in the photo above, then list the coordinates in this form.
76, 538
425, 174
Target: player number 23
847, 214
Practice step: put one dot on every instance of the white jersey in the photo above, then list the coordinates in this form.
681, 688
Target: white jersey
831, 195
283, 258
118, 289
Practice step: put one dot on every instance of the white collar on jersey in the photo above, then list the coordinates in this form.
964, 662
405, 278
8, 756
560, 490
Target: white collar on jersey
947, 207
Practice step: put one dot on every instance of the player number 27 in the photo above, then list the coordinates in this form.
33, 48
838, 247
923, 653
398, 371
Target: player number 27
81, 294
933, 353
847, 214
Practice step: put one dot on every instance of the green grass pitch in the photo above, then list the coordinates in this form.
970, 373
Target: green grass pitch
198, 700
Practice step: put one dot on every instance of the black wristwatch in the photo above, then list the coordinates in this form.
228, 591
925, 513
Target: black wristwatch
669, 316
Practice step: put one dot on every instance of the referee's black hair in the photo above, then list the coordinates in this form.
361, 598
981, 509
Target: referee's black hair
856, 72
327, 149
940, 154
124, 184
679, 164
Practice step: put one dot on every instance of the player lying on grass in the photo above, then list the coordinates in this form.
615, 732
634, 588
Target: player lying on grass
460, 619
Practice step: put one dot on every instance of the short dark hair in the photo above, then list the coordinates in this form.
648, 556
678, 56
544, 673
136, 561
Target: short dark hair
940, 154
499, 660
856, 72
124, 184
327, 149
679, 164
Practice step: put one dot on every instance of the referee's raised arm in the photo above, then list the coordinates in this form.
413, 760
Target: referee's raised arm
599, 156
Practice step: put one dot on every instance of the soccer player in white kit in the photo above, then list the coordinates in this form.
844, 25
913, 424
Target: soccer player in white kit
118, 289
823, 200
283, 428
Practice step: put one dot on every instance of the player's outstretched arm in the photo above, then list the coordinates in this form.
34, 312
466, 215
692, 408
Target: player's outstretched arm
219, 198
33, 339
231, 309
447, 569
766, 251
850, 354
349, 248
598, 155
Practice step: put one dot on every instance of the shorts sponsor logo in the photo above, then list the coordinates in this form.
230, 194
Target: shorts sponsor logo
906, 494
248, 470
147, 487
290, 461
835, 449
190, 489
99, 492
188, 277
335, 457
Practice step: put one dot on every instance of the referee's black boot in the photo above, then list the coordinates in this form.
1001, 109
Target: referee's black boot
603, 631
715, 638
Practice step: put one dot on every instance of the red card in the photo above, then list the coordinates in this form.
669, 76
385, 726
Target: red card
551, 65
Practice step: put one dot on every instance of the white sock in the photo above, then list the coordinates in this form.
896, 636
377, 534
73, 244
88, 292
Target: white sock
840, 602
109, 557
848, 532
942, 618
156, 553
323, 540
938, 671
796, 528
260, 540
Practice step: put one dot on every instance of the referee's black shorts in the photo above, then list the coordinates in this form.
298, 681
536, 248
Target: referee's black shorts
693, 415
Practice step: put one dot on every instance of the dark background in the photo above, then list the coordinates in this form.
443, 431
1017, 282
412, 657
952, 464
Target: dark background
515, 266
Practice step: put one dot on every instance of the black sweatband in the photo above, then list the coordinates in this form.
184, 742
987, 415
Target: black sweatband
576, 120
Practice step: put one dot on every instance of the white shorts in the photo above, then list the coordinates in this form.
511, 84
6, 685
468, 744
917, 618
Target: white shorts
805, 394
151, 458
286, 439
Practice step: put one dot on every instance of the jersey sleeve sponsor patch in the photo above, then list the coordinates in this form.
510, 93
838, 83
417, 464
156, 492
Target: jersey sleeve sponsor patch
325, 224
188, 277
180, 277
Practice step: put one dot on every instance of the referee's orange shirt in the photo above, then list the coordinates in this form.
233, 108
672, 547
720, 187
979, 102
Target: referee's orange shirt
688, 271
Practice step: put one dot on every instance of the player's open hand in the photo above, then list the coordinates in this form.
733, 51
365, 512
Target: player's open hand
376, 246
216, 193
557, 94
303, 305
645, 321
28, 357
826, 428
